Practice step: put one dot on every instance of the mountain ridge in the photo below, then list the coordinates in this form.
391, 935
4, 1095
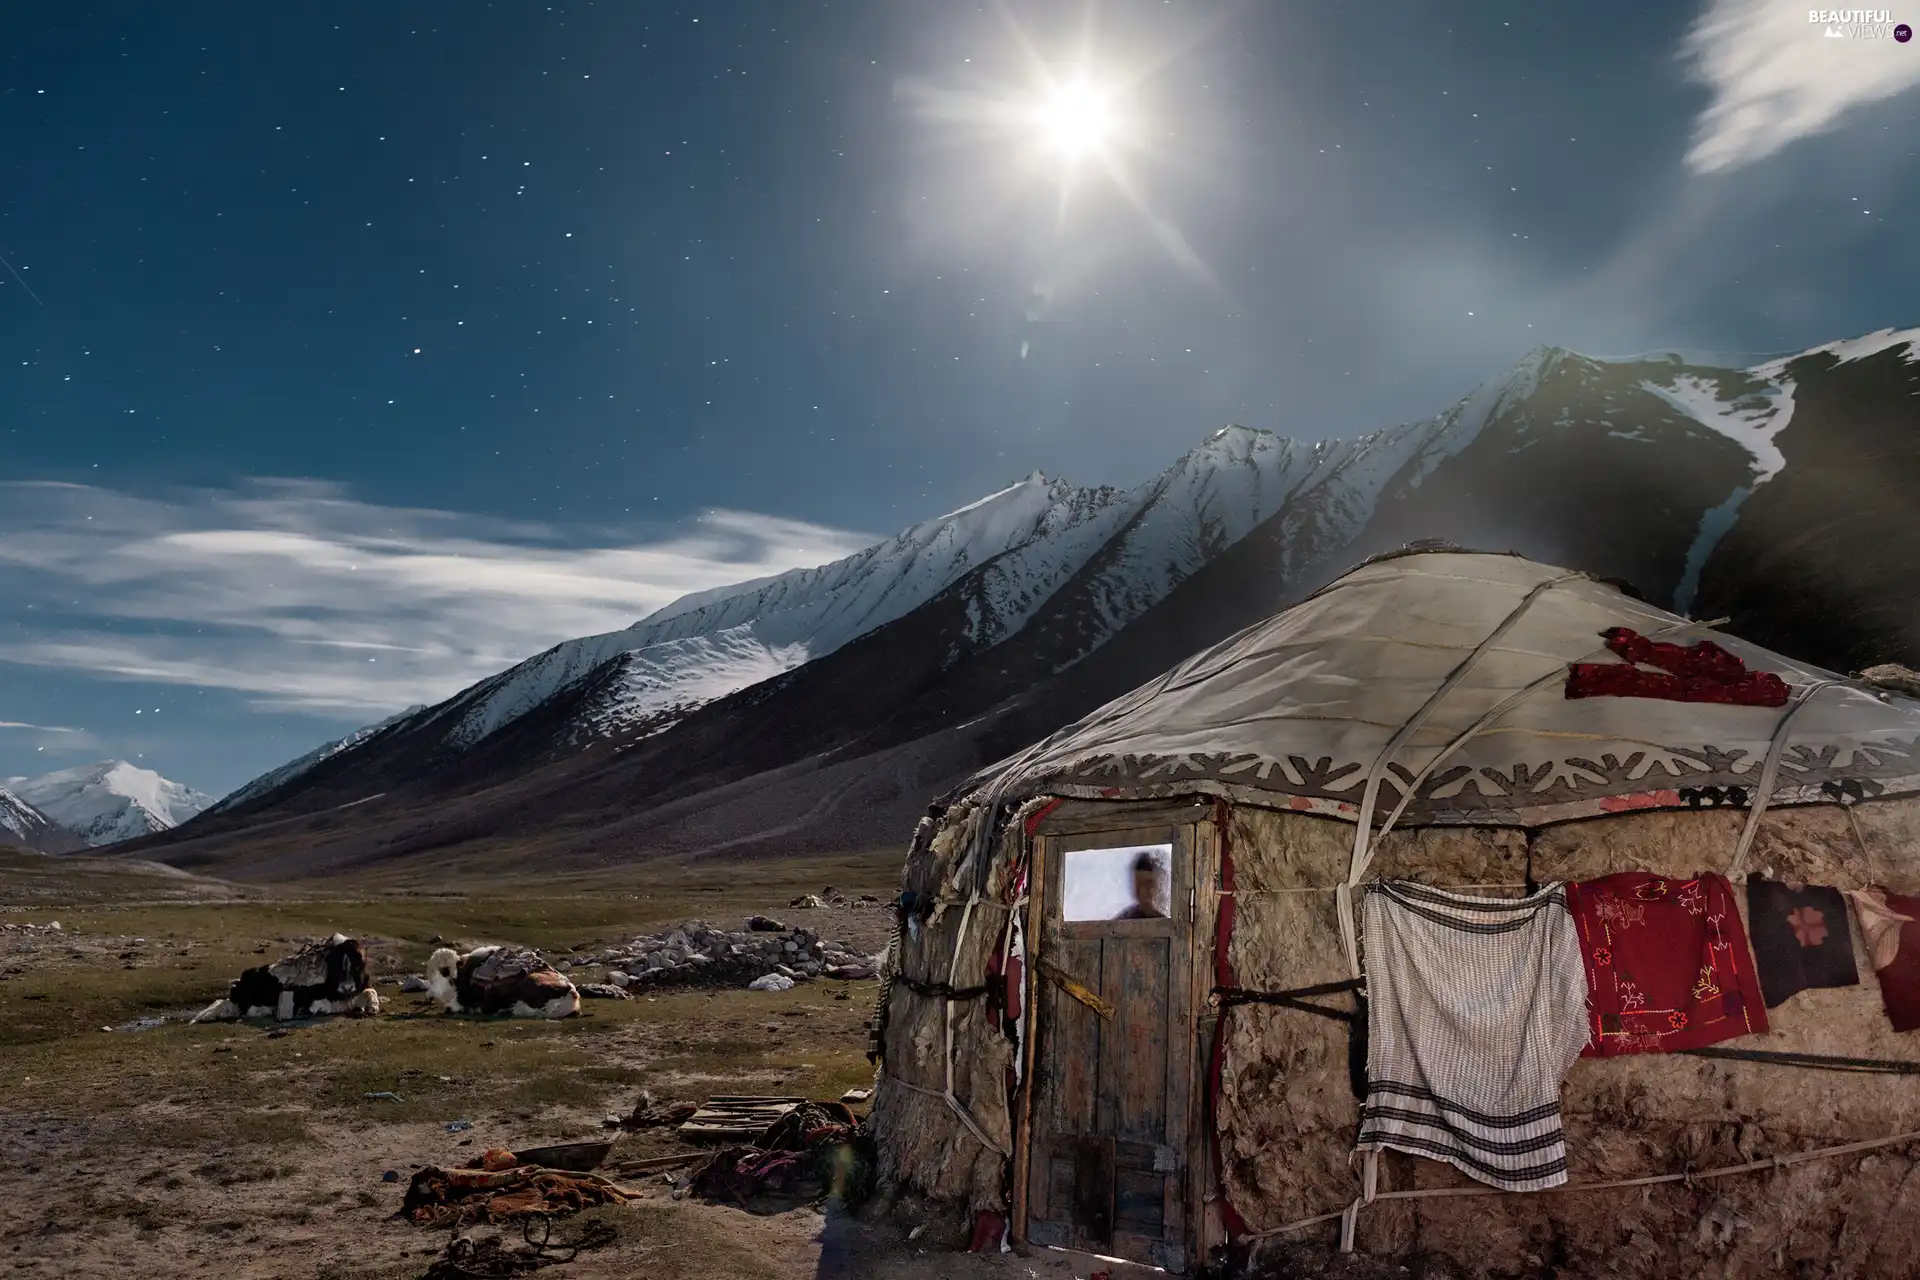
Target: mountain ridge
1647, 470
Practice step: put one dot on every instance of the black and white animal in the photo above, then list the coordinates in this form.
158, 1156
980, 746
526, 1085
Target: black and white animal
500, 980
326, 977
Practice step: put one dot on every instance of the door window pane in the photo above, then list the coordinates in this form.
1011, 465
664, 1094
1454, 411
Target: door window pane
1131, 883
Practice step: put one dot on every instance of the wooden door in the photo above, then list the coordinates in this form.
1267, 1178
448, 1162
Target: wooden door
1111, 1086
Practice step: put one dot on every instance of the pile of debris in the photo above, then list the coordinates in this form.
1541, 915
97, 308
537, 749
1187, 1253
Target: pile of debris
696, 953
766, 1147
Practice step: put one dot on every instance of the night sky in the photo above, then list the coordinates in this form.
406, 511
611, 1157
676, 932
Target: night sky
358, 350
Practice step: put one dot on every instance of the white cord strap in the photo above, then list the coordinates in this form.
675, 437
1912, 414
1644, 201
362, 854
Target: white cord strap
1763, 789
1362, 833
1507, 704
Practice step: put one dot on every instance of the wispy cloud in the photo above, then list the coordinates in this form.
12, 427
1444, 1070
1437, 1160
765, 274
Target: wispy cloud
294, 593
1776, 77
37, 728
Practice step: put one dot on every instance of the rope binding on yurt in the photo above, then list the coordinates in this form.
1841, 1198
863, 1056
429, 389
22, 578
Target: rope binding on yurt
1693, 1175
1815, 1061
1224, 997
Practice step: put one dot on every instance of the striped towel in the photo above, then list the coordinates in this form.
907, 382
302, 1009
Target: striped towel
1478, 1007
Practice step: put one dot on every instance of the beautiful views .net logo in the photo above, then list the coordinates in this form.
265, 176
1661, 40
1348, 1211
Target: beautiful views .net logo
1860, 24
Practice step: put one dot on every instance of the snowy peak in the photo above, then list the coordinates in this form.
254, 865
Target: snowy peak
23, 825
1851, 349
110, 801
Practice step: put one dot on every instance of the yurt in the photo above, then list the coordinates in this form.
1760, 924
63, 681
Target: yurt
1471, 911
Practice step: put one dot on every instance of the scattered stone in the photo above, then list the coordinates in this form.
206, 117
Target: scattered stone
618, 978
765, 924
856, 1095
603, 991
771, 982
385, 1095
459, 1126
807, 902
413, 982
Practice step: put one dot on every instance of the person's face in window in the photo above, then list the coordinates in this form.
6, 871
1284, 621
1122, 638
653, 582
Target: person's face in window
1149, 889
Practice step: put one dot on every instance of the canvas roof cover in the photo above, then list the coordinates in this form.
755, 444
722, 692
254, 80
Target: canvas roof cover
1463, 657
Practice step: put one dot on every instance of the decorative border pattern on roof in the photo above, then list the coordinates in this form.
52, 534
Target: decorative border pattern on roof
1523, 793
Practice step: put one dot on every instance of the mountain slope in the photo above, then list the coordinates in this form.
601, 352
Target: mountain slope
26, 827
1695, 484
1821, 558
111, 801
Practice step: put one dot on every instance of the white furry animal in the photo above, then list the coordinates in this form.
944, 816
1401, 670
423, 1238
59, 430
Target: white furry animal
500, 980
325, 978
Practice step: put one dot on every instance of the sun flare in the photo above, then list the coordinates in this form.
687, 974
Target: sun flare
1077, 119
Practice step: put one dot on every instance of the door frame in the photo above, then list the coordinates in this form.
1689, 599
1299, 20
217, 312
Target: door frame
1191, 822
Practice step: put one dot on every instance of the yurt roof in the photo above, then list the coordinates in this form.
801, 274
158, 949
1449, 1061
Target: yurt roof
1445, 672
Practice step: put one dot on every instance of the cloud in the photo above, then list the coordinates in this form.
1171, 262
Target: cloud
1776, 77
37, 728
300, 597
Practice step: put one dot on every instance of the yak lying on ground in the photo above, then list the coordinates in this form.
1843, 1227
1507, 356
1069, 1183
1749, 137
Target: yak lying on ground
495, 980
326, 977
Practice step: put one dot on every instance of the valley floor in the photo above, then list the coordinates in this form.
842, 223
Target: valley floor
245, 1150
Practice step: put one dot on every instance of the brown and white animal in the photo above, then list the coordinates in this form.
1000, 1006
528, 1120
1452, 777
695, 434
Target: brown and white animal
500, 980
324, 978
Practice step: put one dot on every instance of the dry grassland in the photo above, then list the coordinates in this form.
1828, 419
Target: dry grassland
250, 1150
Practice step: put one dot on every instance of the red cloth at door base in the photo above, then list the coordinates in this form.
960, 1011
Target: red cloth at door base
1667, 964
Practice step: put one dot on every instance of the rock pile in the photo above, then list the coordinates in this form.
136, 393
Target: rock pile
698, 953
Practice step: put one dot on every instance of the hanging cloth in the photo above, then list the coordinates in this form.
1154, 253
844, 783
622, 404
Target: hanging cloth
1667, 963
1890, 922
1800, 938
1477, 1007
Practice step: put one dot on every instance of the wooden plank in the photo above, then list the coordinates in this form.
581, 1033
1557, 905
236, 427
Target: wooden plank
1108, 817
1066, 982
1023, 1128
1144, 1038
736, 1117
1093, 1189
1203, 1227
1177, 1102
1070, 1080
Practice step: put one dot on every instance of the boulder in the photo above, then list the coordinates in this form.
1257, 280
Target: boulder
603, 991
771, 982
764, 924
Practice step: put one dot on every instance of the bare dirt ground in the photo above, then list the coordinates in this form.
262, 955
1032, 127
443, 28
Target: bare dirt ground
250, 1150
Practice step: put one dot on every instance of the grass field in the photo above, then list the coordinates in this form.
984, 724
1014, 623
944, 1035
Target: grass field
251, 1150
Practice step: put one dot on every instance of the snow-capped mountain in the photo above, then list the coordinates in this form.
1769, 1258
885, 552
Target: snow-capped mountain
110, 801
1778, 495
26, 827
299, 765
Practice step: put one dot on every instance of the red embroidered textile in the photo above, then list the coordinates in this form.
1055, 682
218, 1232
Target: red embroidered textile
1667, 964
1702, 672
